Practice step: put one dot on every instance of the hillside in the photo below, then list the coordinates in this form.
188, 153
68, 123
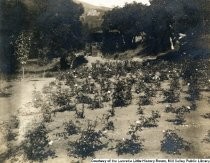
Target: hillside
88, 6
92, 14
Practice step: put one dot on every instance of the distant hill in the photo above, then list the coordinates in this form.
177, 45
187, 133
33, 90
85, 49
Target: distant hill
92, 15
88, 6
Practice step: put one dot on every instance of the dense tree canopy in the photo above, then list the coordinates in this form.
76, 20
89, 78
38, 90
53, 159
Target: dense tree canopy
159, 24
56, 29
59, 26
167, 19
54, 24
126, 20
12, 21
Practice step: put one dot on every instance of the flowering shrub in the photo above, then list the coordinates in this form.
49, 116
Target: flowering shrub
37, 99
109, 126
173, 144
131, 145
194, 92
128, 146
36, 146
71, 128
140, 110
122, 94
84, 99
171, 96
88, 143
179, 119
13, 124
145, 100
61, 96
150, 121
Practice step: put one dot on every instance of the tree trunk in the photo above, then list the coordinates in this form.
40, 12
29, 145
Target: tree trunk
23, 71
128, 41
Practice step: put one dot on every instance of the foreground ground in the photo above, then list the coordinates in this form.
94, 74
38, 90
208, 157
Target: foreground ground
118, 101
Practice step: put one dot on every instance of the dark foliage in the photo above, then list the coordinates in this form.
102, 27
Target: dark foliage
170, 109
109, 126
122, 94
151, 121
59, 27
64, 63
13, 18
157, 24
36, 146
207, 116
207, 138
71, 128
173, 144
121, 25
80, 113
88, 143
194, 92
11, 135
179, 120
96, 104
140, 110
61, 97
78, 61
128, 146
145, 100
132, 145
171, 96
84, 99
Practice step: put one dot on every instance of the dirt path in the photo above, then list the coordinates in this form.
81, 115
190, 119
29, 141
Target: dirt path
21, 94
19, 103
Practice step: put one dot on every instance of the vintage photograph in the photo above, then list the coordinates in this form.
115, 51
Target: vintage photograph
104, 79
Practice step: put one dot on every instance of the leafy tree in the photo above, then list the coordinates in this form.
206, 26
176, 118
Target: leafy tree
126, 20
59, 27
166, 19
159, 24
22, 48
13, 21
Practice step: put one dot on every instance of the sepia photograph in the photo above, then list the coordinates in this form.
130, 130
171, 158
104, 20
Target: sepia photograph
87, 80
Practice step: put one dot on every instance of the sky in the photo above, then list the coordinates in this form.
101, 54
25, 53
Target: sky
112, 3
